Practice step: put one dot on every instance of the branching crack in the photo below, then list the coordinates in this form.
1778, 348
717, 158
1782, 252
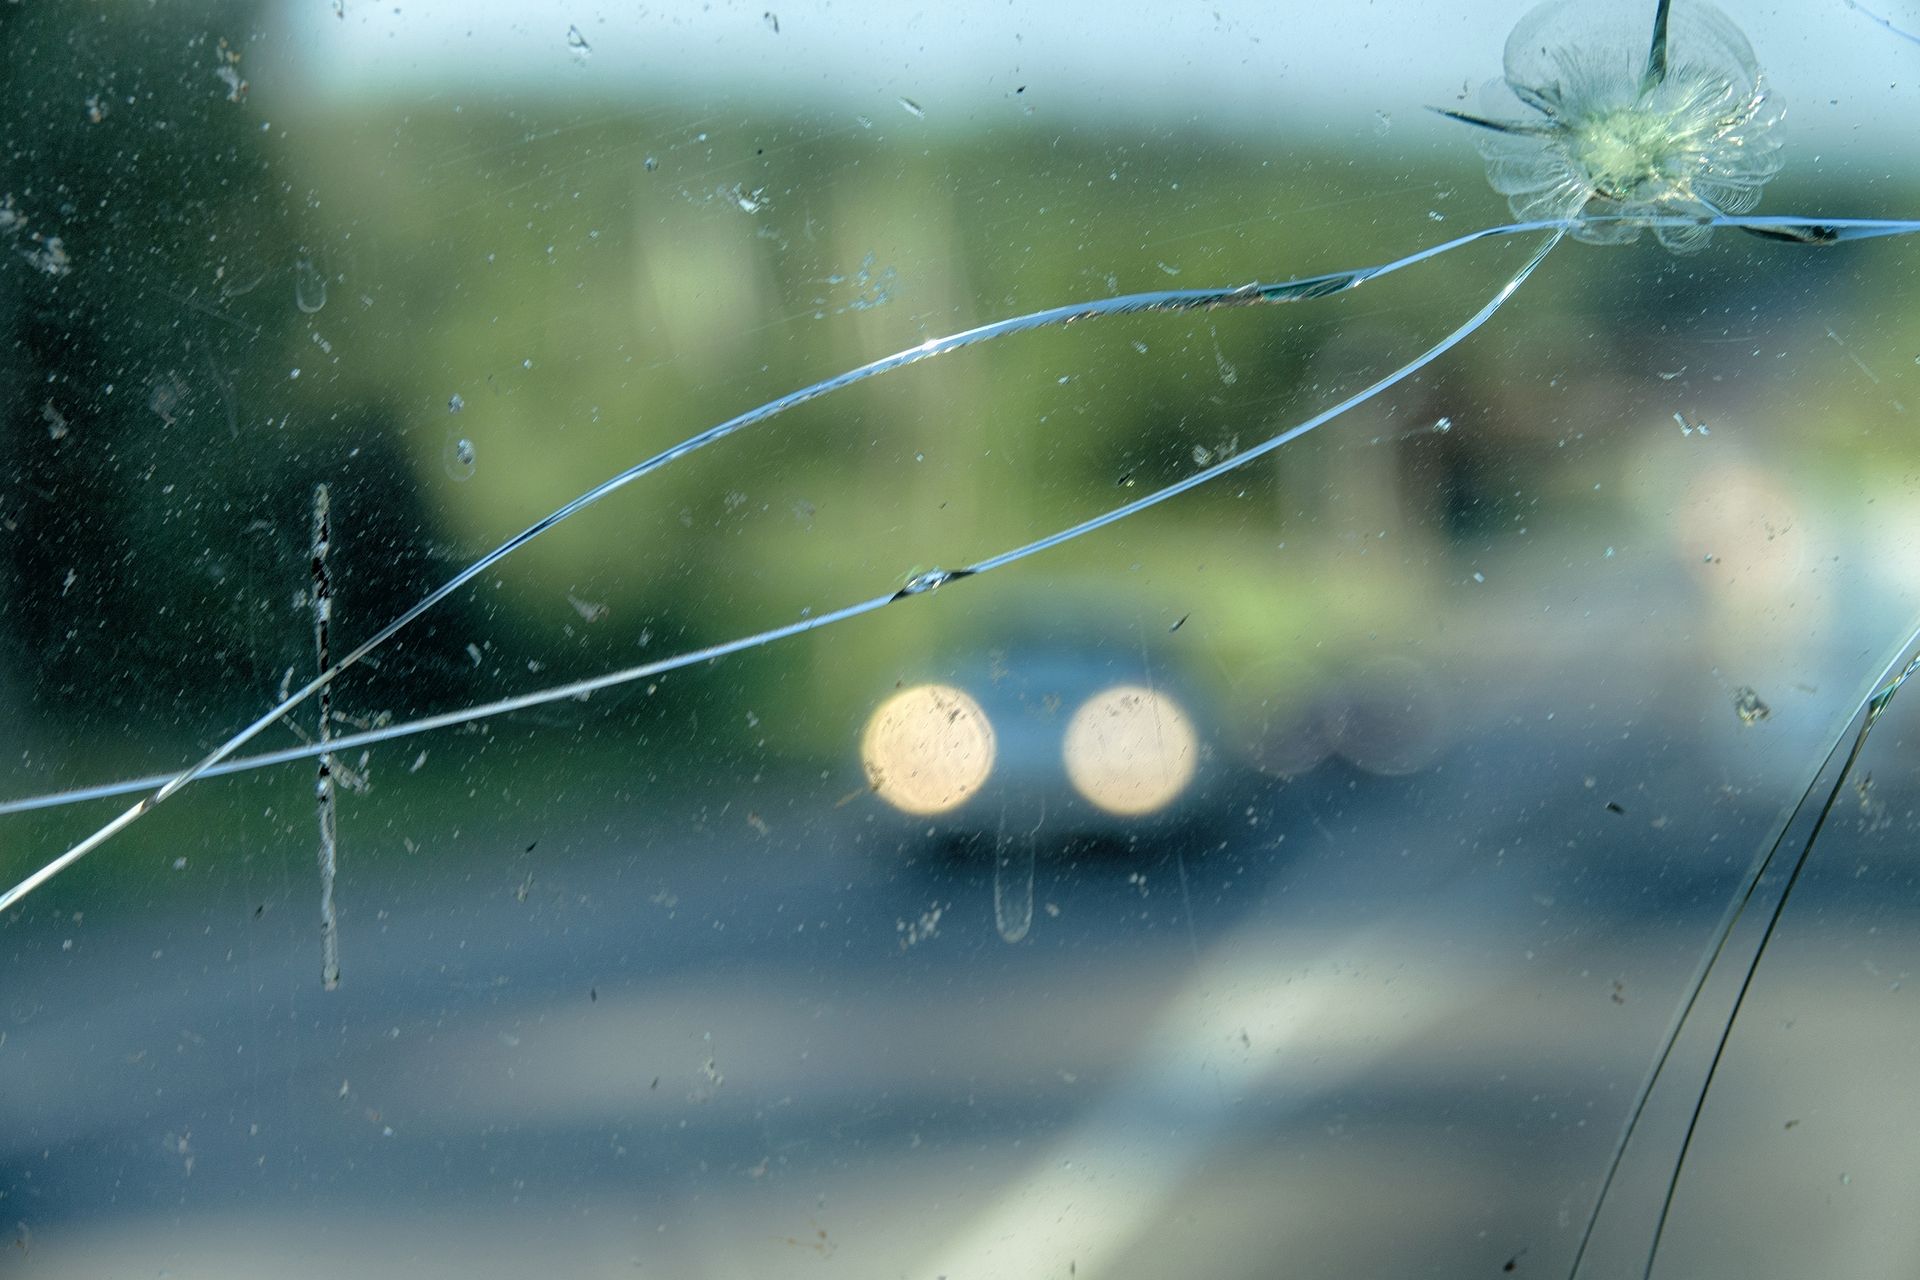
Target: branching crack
219, 762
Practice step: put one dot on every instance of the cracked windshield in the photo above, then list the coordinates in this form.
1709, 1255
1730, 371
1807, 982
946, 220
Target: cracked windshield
1028, 641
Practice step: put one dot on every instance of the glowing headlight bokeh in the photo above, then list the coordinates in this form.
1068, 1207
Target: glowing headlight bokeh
928, 749
1130, 750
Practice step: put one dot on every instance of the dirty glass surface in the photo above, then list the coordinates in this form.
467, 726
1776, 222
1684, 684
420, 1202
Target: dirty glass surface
1446, 810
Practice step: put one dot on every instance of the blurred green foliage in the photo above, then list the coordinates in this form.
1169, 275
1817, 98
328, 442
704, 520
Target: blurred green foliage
268, 293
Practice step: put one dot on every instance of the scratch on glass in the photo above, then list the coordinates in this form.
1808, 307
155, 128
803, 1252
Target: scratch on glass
323, 787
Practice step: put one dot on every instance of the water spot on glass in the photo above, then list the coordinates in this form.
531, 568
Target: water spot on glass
167, 398
577, 44
914, 932
650, 163
459, 457
1749, 707
1013, 888
309, 286
874, 287
772, 19
1204, 454
1382, 124
236, 86
49, 256
456, 402
913, 108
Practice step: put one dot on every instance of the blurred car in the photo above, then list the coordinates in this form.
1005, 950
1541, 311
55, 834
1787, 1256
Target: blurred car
1068, 732
1083, 729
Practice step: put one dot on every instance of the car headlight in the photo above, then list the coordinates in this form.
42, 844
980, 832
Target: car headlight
928, 749
1130, 750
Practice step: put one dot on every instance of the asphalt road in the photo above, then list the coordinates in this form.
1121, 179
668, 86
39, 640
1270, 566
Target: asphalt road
1357, 1025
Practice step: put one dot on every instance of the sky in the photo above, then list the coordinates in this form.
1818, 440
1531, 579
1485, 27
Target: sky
1305, 66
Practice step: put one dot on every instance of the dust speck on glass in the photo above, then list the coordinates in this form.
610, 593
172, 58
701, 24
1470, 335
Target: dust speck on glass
1301, 827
